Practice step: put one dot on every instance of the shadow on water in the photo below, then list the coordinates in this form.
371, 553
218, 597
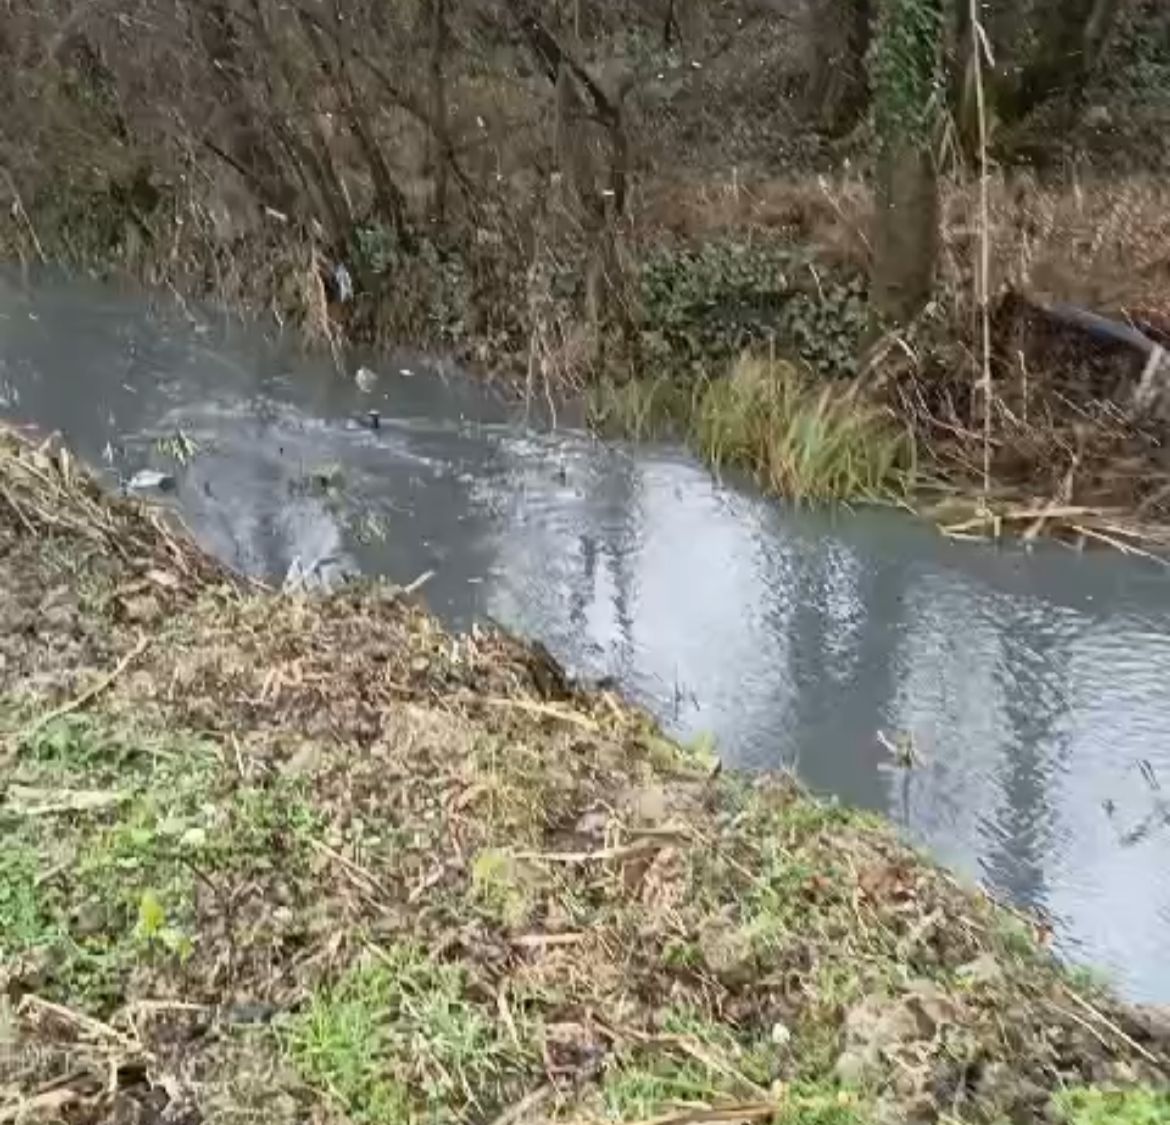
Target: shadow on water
1033, 685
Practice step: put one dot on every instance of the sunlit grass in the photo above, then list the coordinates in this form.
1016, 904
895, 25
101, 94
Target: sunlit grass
805, 440
801, 438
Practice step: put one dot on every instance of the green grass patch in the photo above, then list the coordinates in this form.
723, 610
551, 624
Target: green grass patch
110, 831
696, 1062
399, 1039
805, 440
1093, 1105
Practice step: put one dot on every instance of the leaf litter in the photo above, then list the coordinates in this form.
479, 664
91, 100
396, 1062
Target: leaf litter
275, 857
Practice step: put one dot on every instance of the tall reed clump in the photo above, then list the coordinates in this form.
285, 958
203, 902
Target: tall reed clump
805, 440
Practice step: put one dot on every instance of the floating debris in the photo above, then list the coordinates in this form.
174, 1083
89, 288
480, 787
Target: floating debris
179, 447
902, 749
150, 480
366, 380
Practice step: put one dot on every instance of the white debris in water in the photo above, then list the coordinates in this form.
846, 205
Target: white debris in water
366, 380
323, 574
406, 372
146, 479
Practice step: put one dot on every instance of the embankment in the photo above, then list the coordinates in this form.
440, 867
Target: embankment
284, 858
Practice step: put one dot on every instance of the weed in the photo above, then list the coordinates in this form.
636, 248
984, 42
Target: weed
399, 1039
694, 1061
701, 307
394, 783
802, 440
639, 1092
23, 924
500, 884
179, 447
106, 885
819, 1104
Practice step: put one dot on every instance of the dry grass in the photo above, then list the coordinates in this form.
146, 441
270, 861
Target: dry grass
1092, 240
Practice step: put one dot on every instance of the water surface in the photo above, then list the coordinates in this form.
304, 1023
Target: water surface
1034, 685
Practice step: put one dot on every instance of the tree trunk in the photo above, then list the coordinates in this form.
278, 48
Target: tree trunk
906, 235
438, 100
906, 75
838, 85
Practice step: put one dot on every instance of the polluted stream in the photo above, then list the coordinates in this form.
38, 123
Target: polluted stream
1031, 685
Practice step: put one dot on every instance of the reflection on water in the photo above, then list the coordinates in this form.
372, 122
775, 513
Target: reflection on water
1033, 685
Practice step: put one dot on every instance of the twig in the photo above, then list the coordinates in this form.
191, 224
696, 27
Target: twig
598, 856
1124, 548
86, 696
745, 1112
44, 1106
365, 879
526, 1104
79, 1020
546, 709
1107, 1023
418, 583
543, 941
18, 207
22, 800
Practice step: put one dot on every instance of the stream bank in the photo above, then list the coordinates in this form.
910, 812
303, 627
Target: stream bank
284, 856
1031, 685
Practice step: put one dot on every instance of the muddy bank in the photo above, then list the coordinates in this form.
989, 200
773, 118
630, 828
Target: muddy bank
284, 858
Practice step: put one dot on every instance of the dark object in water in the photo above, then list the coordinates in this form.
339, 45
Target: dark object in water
370, 420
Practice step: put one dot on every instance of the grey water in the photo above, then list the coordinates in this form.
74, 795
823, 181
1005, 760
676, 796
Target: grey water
1034, 684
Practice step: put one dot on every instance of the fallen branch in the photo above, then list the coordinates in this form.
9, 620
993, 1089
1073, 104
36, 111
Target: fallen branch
545, 709
1109, 1025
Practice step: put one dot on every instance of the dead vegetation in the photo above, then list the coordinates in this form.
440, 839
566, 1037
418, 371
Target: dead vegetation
271, 857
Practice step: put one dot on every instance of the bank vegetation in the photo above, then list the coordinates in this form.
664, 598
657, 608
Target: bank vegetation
276, 858
955, 215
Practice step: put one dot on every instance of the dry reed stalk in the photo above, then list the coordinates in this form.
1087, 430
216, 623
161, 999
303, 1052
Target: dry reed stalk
979, 44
